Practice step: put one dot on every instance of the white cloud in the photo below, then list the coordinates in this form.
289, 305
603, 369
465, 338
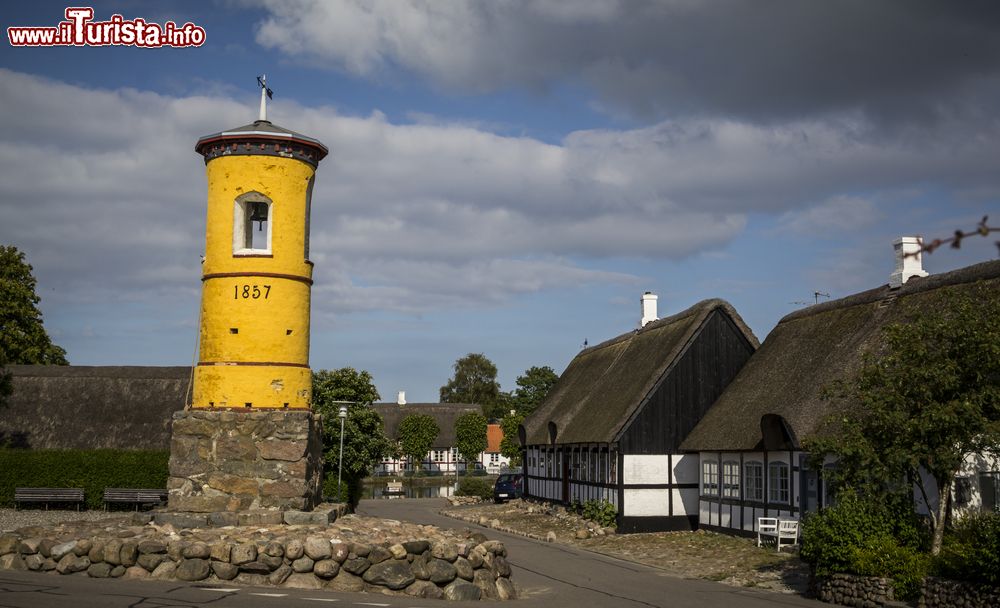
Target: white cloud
674, 58
830, 218
104, 191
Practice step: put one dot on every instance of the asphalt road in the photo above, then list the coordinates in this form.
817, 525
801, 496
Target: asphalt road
548, 575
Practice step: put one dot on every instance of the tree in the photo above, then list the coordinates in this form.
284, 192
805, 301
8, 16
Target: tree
23, 339
470, 436
417, 433
365, 443
475, 381
924, 402
510, 447
532, 387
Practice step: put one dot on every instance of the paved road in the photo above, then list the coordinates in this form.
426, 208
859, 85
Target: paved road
558, 576
550, 575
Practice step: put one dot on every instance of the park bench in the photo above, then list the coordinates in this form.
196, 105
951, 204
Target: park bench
779, 529
47, 495
136, 496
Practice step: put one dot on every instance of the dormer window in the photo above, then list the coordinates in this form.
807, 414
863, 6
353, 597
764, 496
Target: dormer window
252, 224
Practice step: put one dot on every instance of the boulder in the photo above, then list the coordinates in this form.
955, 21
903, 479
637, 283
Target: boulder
505, 589
424, 589
279, 575
147, 547
135, 573
58, 551
416, 547
345, 581
28, 546
358, 565
225, 571
440, 572
83, 547
195, 569
243, 553
150, 561
221, 551
294, 549
326, 568
113, 552
317, 547
462, 591
71, 563
445, 551
302, 581
196, 551
14, 561
165, 570
463, 569
118, 571
33, 562
9, 544
303, 564
393, 574
341, 552
255, 567
100, 570
485, 580
128, 553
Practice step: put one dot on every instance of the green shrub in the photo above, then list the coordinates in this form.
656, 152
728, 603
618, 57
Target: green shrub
971, 551
92, 470
600, 511
475, 486
883, 556
869, 537
351, 490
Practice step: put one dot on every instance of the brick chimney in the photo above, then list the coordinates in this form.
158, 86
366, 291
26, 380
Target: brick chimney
908, 260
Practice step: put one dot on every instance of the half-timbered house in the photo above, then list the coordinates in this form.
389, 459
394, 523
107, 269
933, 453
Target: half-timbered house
611, 427
752, 462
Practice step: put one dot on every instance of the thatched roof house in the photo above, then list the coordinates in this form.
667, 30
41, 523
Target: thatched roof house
444, 414
750, 442
82, 407
625, 406
809, 350
608, 388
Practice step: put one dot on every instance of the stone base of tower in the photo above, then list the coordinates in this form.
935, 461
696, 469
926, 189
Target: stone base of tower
232, 461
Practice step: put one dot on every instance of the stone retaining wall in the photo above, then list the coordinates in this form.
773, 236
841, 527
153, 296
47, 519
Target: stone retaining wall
857, 591
420, 568
944, 593
232, 461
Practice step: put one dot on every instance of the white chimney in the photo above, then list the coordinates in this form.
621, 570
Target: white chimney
648, 308
908, 260
401, 398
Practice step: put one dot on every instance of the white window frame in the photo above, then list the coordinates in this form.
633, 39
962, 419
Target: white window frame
778, 482
242, 223
730, 479
710, 477
753, 484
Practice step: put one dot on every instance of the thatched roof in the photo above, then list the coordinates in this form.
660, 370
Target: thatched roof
811, 349
79, 407
442, 413
605, 385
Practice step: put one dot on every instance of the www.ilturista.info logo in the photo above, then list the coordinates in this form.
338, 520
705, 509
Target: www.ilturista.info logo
80, 29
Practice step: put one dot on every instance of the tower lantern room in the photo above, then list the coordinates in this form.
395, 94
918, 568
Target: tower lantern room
256, 276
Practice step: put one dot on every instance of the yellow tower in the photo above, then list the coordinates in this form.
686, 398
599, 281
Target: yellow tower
256, 277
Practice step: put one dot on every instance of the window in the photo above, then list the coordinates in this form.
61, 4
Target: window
494, 458
753, 481
439, 455
252, 224
731, 479
710, 478
777, 482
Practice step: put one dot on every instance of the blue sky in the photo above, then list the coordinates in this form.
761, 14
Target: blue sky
504, 177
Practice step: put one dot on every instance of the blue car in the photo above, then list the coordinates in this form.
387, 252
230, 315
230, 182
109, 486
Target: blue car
508, 486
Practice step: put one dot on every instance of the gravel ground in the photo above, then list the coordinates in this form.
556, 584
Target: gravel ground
11, 519
728, 559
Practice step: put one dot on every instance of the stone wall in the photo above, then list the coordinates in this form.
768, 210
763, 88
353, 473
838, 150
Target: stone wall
943, 593
228, 461
420, 568
857, 591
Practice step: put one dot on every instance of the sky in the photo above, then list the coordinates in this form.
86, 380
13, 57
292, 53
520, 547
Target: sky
505, 177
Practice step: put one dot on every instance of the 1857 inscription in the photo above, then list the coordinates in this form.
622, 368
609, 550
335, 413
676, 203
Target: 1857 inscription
251, 292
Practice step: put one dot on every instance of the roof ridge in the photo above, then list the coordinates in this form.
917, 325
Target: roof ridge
967, 274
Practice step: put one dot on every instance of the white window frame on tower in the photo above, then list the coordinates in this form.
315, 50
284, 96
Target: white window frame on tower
242, 224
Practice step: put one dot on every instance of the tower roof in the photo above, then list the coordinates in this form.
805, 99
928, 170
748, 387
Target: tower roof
262, 137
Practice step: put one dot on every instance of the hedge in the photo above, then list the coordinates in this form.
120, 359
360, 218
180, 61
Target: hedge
92, 470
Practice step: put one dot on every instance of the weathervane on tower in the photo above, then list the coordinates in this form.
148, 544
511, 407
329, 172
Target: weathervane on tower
265, 94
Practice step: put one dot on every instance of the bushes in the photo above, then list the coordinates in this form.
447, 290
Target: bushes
92, 470
601, 512
971, 552
867, 537
475, 486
